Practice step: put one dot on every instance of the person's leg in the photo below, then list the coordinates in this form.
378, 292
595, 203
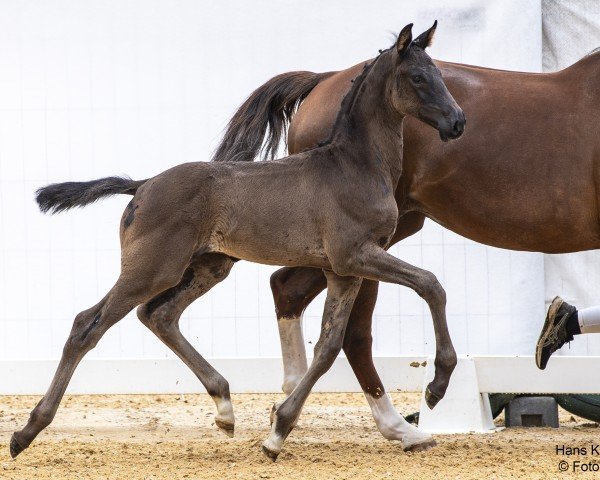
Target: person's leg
588, 319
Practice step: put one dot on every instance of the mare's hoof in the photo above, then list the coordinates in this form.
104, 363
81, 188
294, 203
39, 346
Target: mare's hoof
432, 399
226, 427
15, 447
421, 447
270, 454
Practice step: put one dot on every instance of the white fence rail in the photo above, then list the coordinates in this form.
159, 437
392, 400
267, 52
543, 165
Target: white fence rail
493, 374
166, 375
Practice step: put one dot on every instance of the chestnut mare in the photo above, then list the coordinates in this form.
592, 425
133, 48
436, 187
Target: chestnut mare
526, 176
184, 229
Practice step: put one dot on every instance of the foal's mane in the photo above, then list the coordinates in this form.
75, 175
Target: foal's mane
350, 98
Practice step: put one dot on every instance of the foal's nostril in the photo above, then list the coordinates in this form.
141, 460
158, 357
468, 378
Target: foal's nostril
459, 127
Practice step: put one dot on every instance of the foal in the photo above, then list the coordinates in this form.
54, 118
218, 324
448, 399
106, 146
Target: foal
184, 229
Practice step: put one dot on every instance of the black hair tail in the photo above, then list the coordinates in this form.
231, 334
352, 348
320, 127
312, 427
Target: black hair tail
58, 197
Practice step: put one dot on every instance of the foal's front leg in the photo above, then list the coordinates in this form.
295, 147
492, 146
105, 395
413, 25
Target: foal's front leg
293, 289
341, 292
374, 263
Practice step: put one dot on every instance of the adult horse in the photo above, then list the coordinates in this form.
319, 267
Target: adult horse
526, 176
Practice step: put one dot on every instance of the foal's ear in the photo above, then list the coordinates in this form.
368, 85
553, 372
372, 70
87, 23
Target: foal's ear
424, 40
404, 39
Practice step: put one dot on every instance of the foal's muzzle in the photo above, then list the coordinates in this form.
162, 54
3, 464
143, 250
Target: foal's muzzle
452, 126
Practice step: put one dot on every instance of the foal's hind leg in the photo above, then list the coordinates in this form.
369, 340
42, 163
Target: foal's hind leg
341, 292
161, 315
89, 326
147, 268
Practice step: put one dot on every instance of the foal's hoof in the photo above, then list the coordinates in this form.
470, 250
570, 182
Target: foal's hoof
432, 399
226, 427
270, 454
15, 447
271, 447
420, 447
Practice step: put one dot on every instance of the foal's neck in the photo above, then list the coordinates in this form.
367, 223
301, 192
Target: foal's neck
368, 125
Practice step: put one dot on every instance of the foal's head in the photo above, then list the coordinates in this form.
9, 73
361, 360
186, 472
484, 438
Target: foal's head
418, 88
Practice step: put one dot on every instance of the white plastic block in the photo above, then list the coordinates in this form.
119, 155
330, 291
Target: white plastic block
463, 409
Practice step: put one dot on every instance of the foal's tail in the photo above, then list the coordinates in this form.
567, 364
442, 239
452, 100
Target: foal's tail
58, 197
271, 106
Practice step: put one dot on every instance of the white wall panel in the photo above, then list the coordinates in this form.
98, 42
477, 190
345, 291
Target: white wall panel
91, 88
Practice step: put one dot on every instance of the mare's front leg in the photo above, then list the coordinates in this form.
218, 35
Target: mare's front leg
341, 292
374, 263
358, 342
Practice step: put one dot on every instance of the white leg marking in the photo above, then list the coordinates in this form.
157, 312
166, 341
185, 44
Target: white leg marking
274, 443
224, 419
392, 425
292, 351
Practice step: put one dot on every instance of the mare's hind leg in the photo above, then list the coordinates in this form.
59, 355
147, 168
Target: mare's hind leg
161, 315
293, 289
341, 292
147, 268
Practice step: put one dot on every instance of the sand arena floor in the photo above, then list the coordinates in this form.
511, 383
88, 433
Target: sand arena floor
172, 437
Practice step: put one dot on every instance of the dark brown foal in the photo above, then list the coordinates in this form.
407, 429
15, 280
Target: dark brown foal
183, 229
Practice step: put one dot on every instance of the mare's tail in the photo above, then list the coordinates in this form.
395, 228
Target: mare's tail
271, 106
58, 197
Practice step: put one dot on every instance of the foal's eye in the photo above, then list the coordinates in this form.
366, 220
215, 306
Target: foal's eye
417, 79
